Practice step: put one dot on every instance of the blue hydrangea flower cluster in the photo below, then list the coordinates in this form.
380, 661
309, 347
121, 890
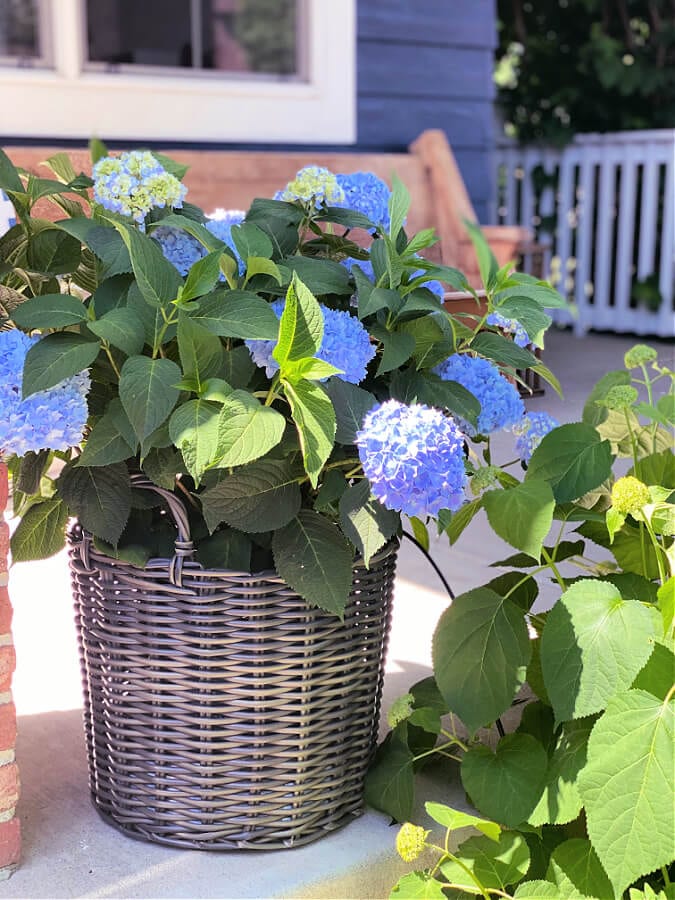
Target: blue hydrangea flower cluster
134, 183
179, 247
501, 405
367, 194
220, 225
510, 326
313, 183
345, 345
49, 420
413, 457
530, 431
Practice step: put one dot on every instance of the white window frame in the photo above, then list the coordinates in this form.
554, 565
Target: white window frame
70, 102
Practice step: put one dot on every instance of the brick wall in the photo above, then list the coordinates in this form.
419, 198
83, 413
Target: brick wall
10, 831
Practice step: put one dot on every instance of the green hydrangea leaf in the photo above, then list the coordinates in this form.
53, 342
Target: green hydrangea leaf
41, 532
628, 785
594, 643
100, 497
576, 870
573, 459
148, 393
247, 430
495, 864
506, 785
262, 496
560, 801
522, 515
481, 649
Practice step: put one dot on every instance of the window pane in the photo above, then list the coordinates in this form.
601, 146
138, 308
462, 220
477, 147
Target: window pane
247, 36
19, 30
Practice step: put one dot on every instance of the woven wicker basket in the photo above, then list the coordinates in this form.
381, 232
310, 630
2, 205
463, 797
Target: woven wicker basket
221, 712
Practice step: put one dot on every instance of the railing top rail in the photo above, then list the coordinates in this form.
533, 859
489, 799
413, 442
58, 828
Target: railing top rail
651, 136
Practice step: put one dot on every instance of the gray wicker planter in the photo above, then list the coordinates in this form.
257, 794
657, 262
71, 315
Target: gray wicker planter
221, 712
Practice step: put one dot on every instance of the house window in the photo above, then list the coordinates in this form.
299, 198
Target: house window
244, 71
206, 37
24, 33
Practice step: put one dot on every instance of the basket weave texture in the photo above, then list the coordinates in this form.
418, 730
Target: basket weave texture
221, 712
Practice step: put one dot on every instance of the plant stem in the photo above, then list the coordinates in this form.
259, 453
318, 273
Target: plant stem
431, 561
106, 347
633, 443
666, 876
553, 567
442, 747
465, 868
650, 400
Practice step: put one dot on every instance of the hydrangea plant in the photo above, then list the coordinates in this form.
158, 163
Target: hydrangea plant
573, 792
300, 389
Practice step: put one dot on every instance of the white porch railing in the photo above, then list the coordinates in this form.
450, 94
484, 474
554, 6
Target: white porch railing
603, 209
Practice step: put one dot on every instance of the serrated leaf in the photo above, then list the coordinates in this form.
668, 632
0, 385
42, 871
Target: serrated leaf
397, 346
658, 675
487, 263
365, 521
455, 818
262, 496
55, 357
247, 430
390, 782
193, 428
314, 417
577, 872
507, 784
666, 599
593, 645
157, 278
522, 515
560, 801
534, 321
351, 403
301, 326
417, 886
200, 351
481, 649
49, 311
110, 248
538, 890
147, 392
105, 444
573, 459
238, 314
399, 204
495, 864
100, 498
122, 328
41, 532
502, 350
202, 276
455, 523
313, 557
320, 276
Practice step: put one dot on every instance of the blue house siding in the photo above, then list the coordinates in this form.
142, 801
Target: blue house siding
428, 64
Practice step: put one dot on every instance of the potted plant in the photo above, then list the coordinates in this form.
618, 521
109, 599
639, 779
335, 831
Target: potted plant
265, 396
573, 793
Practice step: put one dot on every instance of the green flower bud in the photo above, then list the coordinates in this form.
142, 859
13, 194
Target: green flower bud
638, 355
410, 841
620, 396
400, 709
629, 495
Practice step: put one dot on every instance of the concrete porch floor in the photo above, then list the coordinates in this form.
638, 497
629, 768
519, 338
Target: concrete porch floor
69, 852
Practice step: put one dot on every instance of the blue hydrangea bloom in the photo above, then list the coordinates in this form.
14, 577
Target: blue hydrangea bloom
134, 183
49, 420
179, 247
501, 404
510, 326
345, 345
367, 194
413, 457
530, 431
434, 286
220, 224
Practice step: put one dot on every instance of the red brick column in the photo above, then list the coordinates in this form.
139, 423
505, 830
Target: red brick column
10, 831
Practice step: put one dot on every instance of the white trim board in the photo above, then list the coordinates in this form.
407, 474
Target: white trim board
70, 102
